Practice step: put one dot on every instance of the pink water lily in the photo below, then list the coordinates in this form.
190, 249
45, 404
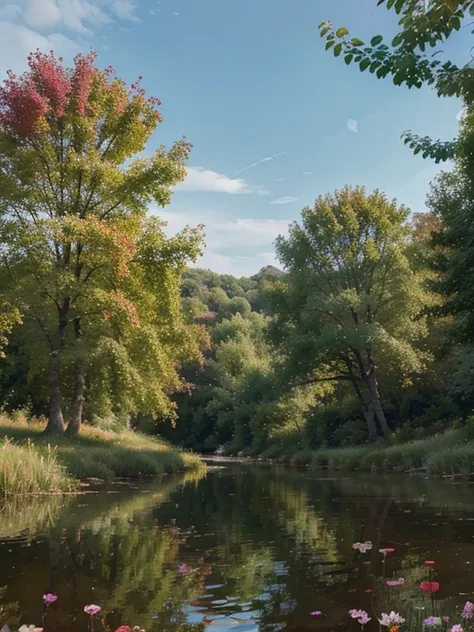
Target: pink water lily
395, 582
385, 551
316, 613
457, 628
92, 609
468, 610
183, 568
431, 621
49, 598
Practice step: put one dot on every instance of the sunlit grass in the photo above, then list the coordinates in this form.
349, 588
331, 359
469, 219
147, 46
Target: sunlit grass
93, 453
26, 469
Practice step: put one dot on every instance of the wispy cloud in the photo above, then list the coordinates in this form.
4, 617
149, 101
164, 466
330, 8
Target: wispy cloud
200, 179
279, 179
286, 199
352, 125
307, 173
259, 162
239, 246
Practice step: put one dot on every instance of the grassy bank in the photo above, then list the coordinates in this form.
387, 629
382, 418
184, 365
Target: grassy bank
32, 463
448, 454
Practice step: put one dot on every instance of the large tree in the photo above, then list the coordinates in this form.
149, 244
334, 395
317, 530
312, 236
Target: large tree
350, 301
73, 199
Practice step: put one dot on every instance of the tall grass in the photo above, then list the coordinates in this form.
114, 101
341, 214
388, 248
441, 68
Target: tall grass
444, 455
29, 470
93, 453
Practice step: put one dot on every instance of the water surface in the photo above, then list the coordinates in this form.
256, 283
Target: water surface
263, 548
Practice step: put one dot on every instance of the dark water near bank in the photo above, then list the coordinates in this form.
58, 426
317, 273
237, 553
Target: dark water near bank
264, 548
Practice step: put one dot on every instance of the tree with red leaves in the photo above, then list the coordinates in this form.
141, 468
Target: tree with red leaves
77, 248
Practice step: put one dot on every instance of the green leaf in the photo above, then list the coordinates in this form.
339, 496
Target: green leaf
399, 5
365, 63
325, 30
329, 43
397, 40
342, 32
337, 50
456, 22
390, 4
471, 9
357, 42
348, 59
375, 41
374, 65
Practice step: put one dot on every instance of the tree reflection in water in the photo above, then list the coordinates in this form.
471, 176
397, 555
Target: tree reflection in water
259, 549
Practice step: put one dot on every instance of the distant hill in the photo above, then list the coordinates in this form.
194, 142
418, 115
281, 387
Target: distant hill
267, 272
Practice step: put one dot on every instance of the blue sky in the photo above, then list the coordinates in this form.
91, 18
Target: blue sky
274, 120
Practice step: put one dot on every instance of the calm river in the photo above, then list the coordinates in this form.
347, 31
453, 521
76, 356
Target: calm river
244, 548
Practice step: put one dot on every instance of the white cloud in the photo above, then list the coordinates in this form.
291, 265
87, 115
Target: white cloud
16, 42
125, 10
200, 179
80, 16
250, 239
259, 162
307, 173
42, 13
176, 13
279, 179
9, 12
352, 125
286, 199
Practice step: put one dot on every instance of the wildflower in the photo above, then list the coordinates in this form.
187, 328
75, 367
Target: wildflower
431, 621
446, 619
363, 547
385, 551
29, 628
124, 628
369, 590
430, 563
50, 598
316, 613
457, 628
468, 610
394, 628
390, 619
429, 587
395, 582
92, 609
183, 568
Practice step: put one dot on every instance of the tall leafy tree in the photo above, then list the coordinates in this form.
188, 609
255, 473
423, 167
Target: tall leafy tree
350, 301
74, 195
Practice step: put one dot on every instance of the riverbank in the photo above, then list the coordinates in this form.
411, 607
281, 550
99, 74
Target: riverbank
33, 463
447, 454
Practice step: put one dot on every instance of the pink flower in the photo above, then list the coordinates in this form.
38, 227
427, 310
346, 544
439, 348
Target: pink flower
385, 551
361, 616
49, 598
395, 582
456, 628
446, 619
468, 610
92, 609
362, 547
124, 628
183, 568
430, 563
316, 613
429, 587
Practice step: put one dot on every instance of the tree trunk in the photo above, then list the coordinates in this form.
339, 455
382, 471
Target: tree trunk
78, 401
366, 407
56, 420
79, 387
376, 403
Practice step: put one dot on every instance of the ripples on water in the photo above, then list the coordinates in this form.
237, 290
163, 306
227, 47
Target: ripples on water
264, 547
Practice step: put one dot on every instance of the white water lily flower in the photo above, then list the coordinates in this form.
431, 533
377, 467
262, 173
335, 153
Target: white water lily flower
29, 628
391, 619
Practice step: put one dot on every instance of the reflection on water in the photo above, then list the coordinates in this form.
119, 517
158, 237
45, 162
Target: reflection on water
259, 548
